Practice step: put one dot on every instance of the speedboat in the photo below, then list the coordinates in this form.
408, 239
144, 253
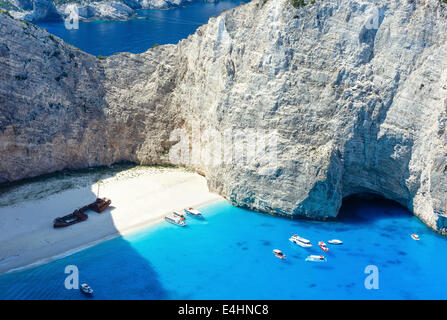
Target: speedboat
316, 258
193, 212
176, 219
335, 241
178, 214
300, 241
415, 236
279, 254
86, 289
323, 246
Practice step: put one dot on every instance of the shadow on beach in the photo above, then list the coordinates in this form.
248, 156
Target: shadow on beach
114, 269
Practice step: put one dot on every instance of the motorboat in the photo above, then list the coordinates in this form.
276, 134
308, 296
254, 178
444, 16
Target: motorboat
176, 219
335, 241
179, 214
415, 236
323, 246
75, 217
315, 258
300, 241
279, 254
86, 289
193, 212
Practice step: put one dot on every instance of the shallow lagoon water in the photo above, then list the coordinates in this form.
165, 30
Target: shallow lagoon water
229, 256
152, 27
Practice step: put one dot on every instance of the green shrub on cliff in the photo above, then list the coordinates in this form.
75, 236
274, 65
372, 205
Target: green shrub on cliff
303, 3
298, 3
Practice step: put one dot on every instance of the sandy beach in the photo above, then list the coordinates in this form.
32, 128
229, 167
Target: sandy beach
140, 196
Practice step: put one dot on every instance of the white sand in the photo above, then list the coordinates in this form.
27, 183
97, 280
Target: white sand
140, 197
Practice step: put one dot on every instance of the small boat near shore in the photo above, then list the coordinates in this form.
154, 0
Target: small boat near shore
279, 254
323, 246
315, 258
176, 219
335, 241
415, 237
194, 213
86, 289
179, 214
75, 217
300, 241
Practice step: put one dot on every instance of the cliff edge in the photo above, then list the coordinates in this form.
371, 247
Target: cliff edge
355, 93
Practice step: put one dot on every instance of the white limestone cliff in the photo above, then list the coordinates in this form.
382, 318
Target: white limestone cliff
356, 91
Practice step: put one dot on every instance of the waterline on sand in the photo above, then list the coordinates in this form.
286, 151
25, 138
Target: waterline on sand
141, 196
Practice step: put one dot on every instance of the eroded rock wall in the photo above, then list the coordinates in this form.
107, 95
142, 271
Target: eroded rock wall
355, 90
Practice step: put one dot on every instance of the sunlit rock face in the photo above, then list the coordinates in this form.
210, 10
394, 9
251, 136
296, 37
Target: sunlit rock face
43, 10
354, 93
55, 110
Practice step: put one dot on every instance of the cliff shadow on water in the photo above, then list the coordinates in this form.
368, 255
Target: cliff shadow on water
105, 266
368, 208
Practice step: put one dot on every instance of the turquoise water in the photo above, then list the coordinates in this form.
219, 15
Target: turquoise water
229, 256
137, 35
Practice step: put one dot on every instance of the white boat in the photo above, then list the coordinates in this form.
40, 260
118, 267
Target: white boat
300, 241
178, 214
279, 254
323, 246
86, 289
193, 212
176, 219
415, 237
335, 241
316, 258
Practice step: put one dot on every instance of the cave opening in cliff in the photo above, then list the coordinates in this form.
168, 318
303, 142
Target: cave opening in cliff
368, 207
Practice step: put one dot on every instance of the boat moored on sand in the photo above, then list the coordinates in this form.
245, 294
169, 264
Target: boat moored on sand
300, 241
100, 204
75, 217
176, 219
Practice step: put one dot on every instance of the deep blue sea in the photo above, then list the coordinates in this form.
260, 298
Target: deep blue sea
138, 35
229, 256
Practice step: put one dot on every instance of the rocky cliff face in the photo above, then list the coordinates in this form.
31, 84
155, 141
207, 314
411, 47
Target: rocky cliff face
355, 92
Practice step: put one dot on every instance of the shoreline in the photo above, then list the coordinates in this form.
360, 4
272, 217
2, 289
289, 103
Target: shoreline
130, 230
142, 200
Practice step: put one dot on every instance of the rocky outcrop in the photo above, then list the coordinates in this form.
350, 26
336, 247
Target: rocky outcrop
43, 10
162, 4
46, 10
23, 4
104, 10
355, 92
